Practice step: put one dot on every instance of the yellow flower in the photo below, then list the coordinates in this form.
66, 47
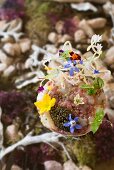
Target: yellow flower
45, 104
48, 68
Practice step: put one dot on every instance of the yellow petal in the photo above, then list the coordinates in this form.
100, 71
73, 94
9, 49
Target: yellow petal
52, 102
46, 98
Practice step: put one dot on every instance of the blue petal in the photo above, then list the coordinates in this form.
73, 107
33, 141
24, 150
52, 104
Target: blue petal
76, 119
76, 69
78, 126
96, 72
67, 66
70, 117
74, 62
69, 61
81, 61
71, 72
67, 124
72, 129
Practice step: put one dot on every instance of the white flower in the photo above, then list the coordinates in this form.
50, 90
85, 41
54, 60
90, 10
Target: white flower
78, 100
95, 45
95, 39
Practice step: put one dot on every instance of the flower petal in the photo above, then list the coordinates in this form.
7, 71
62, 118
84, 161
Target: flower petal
72, 129
71, 72
96, 72
67, 124
78, 126
81, 61
67, 66
52, 103
76, 119
70, 117
76, 69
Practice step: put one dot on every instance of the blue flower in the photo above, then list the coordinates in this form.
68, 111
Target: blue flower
72, 66
72, 124
81, 61
96, 71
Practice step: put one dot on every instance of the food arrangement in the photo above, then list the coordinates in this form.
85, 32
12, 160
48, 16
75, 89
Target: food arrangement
72, 100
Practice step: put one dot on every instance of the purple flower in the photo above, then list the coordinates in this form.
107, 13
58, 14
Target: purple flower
72, 124
96, 71
40, 89
72, 66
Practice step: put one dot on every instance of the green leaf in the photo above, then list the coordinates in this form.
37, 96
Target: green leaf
97, 120
91, 91
98, 83
86, 86
65, 54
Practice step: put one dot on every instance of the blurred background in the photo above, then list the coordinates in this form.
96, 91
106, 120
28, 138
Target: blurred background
29, 30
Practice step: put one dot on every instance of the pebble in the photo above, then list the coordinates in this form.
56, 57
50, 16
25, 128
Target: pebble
12, 134
52, 37
85, 168
25, 45
9, 49
59, 27
109, 59
51, 48
86, 28
12, 49
3, 66
4, 58
2, 24
69, 165
79, 36
53, 165
9, 70
97, 23
15, 167
64, 38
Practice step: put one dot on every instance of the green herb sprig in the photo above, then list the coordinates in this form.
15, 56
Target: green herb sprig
98, 83
97, 120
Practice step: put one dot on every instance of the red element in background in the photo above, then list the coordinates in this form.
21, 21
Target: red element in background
12, 9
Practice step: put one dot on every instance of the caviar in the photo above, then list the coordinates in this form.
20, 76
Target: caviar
60, 115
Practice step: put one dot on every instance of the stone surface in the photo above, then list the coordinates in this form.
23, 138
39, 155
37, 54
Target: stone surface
97, 23
9, 70
25, 45
64, 38
69, 165
85, 168
12, 49
12, 135
59, 27
15, 167
4, 58
109, 59
79, 36
86, 28
9, 49
52, 37
52, 165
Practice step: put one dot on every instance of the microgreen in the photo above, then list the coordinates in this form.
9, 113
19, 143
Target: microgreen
98, 83
65, 55
97, 120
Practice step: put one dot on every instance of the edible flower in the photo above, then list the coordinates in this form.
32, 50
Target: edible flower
72, 124
40, 89
45, 104
96, 71
72, 66
78, 100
